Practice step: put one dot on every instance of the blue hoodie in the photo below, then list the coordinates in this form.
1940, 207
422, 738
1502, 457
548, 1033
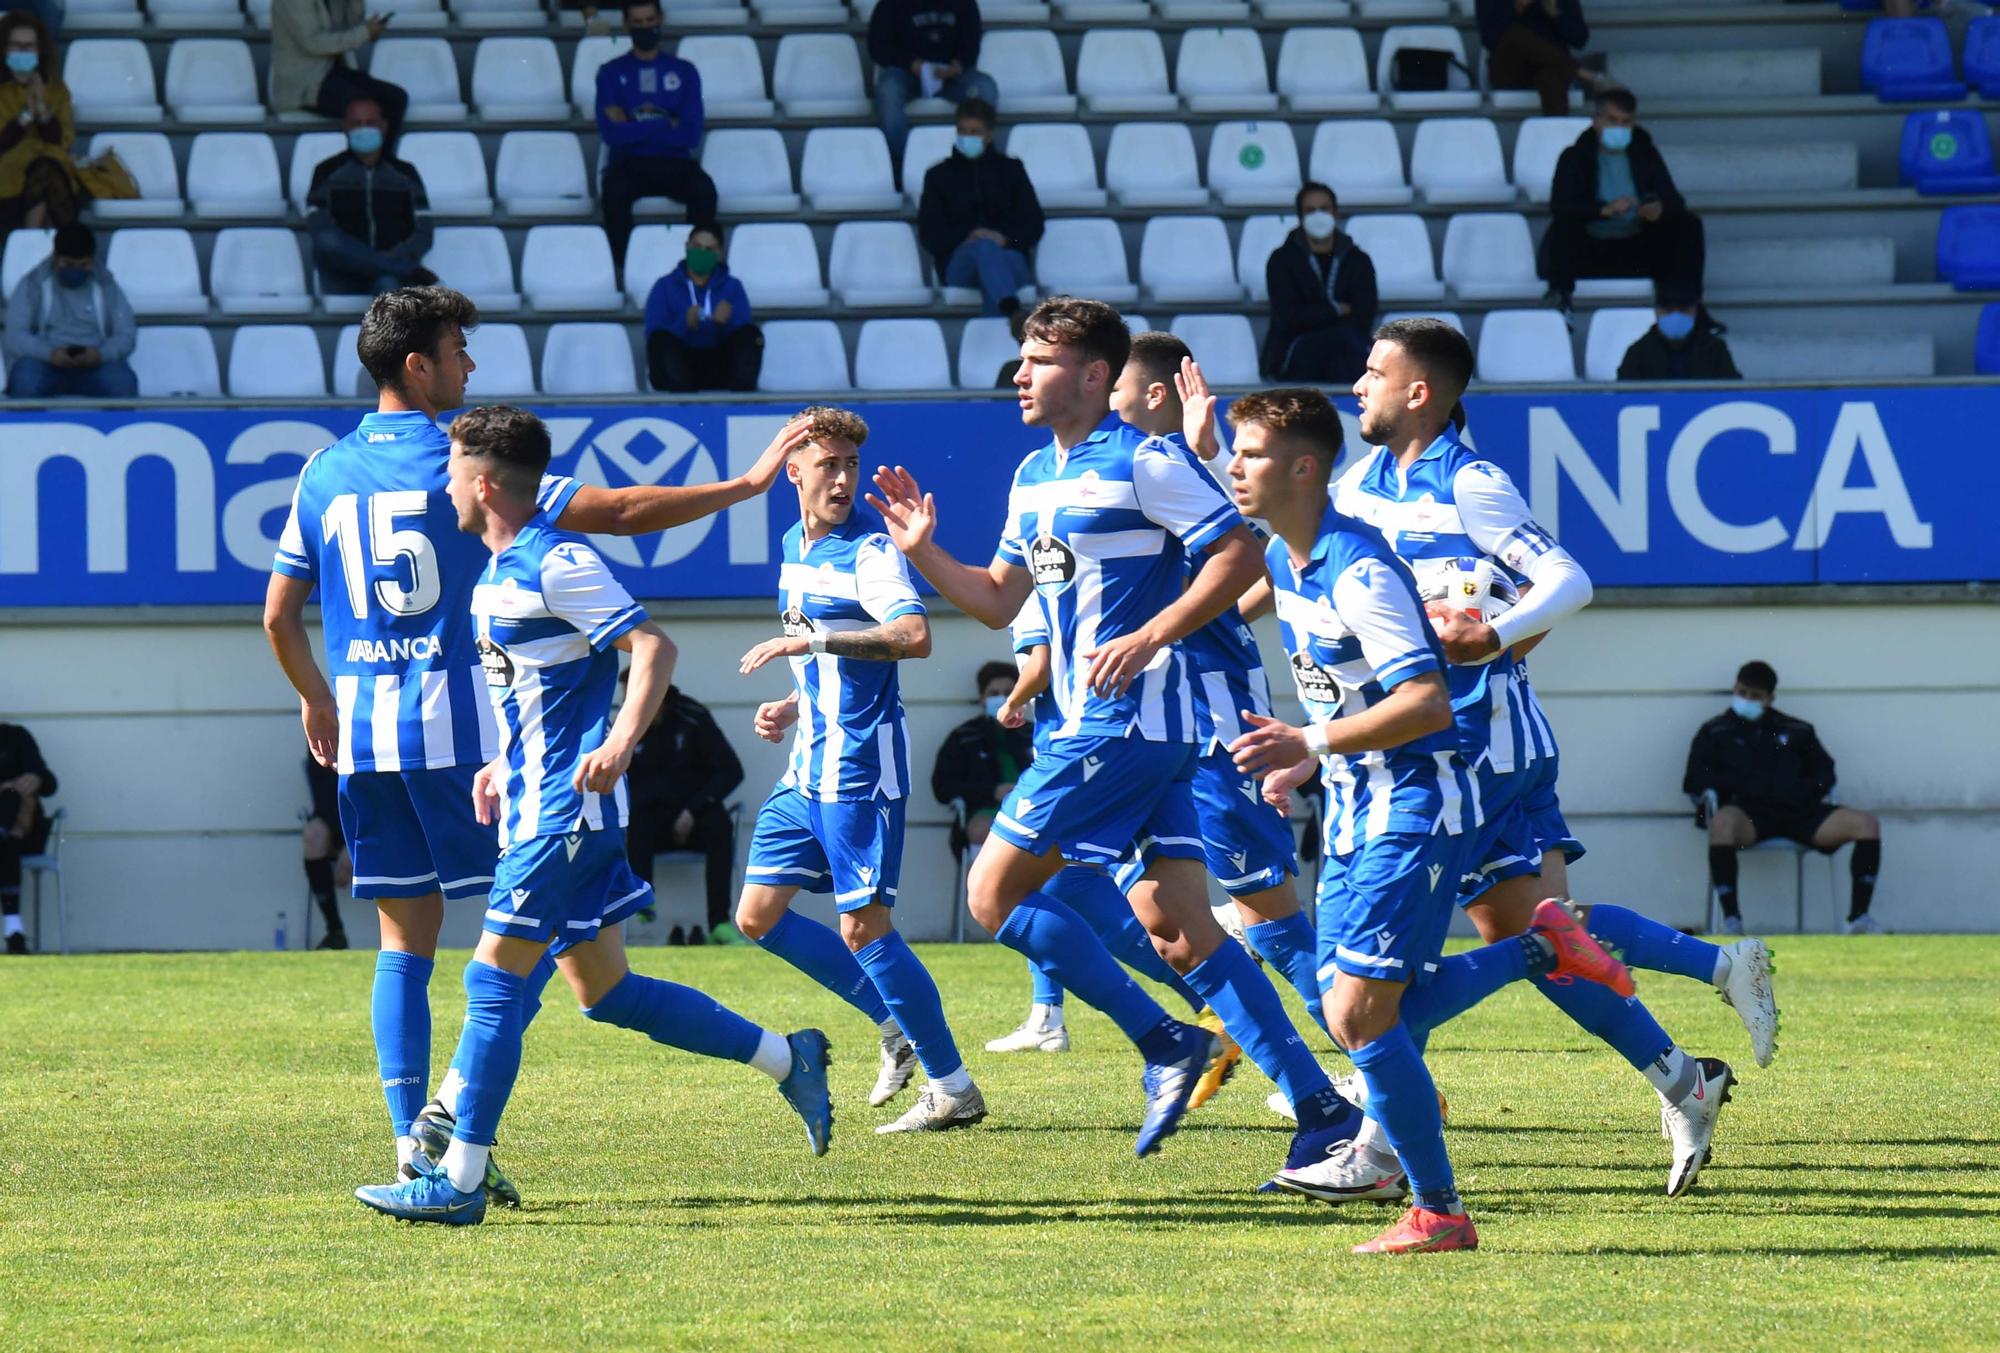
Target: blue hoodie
668, 88
667, 305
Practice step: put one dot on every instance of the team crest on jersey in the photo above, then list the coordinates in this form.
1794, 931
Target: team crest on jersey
795, 623
1051, 563
1315, 683
493, 659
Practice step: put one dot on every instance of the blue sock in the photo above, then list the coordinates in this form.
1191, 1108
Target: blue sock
531, 991
489, 1050
1256, 1019
1464, 980
677, 1016
1046, 990
822, 955
1623, 1023
1093, 895
1403, 1099
1291, 947
1055, 937
401, 1014
1645, 943
912, 998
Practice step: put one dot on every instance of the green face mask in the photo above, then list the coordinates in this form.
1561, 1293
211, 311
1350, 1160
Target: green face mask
701, 262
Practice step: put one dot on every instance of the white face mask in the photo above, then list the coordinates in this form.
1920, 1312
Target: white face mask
1319, 225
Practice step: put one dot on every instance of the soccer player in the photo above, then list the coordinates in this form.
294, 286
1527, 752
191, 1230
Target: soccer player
1399, 808
1099, 525
404, 721
551, 620
834, 823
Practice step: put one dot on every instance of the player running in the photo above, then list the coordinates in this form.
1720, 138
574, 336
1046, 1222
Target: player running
834, 823
549, 617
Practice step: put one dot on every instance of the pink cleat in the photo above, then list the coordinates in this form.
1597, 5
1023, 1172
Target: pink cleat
1577, 954
1422, 1231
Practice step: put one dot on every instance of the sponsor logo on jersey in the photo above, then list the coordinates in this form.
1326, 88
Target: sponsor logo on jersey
796, 624
1316, 684
493, 660
411, 649
1051, 563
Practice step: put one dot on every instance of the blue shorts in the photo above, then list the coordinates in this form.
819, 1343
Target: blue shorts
1503, 847
1096, 798
412, 832
1384, 907
1248, 842
852, 849
563, 890
1545, 814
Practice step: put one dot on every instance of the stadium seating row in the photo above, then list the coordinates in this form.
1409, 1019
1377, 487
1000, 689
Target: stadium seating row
1908, 60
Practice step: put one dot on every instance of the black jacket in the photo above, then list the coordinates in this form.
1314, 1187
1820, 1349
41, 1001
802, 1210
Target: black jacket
1301, 303
1772, 762
19, 755
1573, 193
1567, 28
385, 208
968, 764
942, 31
963, 194
1702, 357
683, 761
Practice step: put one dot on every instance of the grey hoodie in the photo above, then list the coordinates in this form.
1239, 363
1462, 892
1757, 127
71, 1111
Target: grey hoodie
43, 315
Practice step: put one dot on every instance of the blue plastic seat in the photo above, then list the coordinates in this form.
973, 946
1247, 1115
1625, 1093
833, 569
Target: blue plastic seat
1986, 348
1909, 60
1947, 151
1968, 248
1982, 55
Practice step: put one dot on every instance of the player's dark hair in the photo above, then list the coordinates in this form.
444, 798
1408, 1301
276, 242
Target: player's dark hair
1303, 416
994, 671
1757, 675
1439, 351
1093, 328
512, 446
1313, 186
1158, 355
1619, 97
829, 422
979, 110
74, 240
407, 320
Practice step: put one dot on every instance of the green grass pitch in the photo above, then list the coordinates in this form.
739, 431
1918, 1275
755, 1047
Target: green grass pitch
179, 1137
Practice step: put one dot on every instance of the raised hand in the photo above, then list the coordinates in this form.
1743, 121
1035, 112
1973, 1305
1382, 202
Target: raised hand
1197, 410
908, 512
790, 438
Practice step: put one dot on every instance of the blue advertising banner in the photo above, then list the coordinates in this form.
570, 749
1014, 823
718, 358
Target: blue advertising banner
184, 505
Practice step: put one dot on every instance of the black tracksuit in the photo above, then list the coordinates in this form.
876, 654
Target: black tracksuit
962, 195
20, 756
1309, 339
684, 763
973, 763
1671, 249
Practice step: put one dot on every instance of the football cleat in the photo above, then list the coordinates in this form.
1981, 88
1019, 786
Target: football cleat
1732, 925
1748, 991
432, 1129
1032, 1036
1578, 956
429, 1197
1864, 924
938, 1110
805, 1088
1223, 1055
1168, 1085
1278, 1104
1690, 1125
1422, 1231
1345, 1173
899, 1063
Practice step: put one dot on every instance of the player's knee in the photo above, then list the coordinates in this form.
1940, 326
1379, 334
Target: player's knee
754, 924
316, 839
1867, 827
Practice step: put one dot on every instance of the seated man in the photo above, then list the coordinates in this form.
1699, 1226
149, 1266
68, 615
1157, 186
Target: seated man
1757, 774
25, 780
982, 757
69, 326
698, 330
979, 217
1684, 344
369, 216
649, 117
682, 772
313, 65
1322, 298
324, 841
924, 49
1530, 42
1614, 210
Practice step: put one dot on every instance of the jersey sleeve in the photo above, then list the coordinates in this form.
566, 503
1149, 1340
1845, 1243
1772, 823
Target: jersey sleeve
1499, 523
1177, 493
1375, 600
882, 581
1012, 548
298, 556
578, 588
1030, 628
554, 494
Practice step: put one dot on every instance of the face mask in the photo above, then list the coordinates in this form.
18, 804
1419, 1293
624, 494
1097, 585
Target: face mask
1747, 708
645, 39
993, 705
1319, 225
24, 63
364, 140
72, 277
1615, 138
701, 262
1675, 325
972, 147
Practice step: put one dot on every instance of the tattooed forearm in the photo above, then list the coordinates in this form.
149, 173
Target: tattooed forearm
907, 637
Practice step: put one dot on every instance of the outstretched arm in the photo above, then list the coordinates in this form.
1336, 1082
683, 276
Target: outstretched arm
990, 595
285, 627
656, 507
907, 636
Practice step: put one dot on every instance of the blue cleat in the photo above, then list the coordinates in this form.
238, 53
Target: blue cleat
1328, 1121
429, 1197
805, 1089
1168, 1086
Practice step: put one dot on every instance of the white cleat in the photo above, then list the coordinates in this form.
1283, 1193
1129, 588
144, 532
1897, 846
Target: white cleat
899, 1063
1690, 1124
1864, 924
938, 1110
1350, 1173
1748, 991
1033, 1036
1281, 1106
1353, 1087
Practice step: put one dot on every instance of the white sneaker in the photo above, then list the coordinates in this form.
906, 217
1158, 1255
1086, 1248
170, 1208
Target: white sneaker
1033, 1036
1732, 925
1690, 1124
1864, 924
899, 1063
1281, 1106
1349, 1174
1748, 991
938, 1110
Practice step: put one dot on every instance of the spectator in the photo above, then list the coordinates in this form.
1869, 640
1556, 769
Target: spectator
1684, 344
1322, 298
682, 771
981, 758
324, 844
312, 60
25, 780
1614, 210
369, 216
38, 184
1531, 42
1757, 774
698, 330
979, 216
649, 118
927, 49
69, 326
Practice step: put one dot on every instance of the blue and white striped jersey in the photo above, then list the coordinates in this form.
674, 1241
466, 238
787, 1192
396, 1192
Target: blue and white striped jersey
1105, 530
371, 524
1030, 630
1451, 504
1534, 738
1225, 668
852, 741
1356, 630
547, 612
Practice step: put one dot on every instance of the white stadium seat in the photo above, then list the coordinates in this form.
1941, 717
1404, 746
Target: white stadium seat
1085, 256
1060, 163
500, 353
186, 14
1458, 92
652, 253
1152, 164
104, 16
803, 354
1222, 70
26, 247
542, 174
732, 75
426, 68
1092, 12
213, 80
1403, 9
588, 359
453, 169
901, 354
1361, 160
1520, 346
111, 80
234, 174
1253, 164
518, 80
1225, 346
1613, 331
156, 270
778, 264
751, 169
1203, 11
1456, 161
798, 13
818, 75
927, 146
1400, 248
498, 13
874, 264
150, 157
256, 270
1304, 11
1260, 239
173, 360
1324, 70
568, 267
474, 260
1866, 356
984, 346
1490, 256
309, 152
591, 52
1187, 258
685, 14
1123, 70
1538, 144
843, 170
1027, 64
276, 361
349, 379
